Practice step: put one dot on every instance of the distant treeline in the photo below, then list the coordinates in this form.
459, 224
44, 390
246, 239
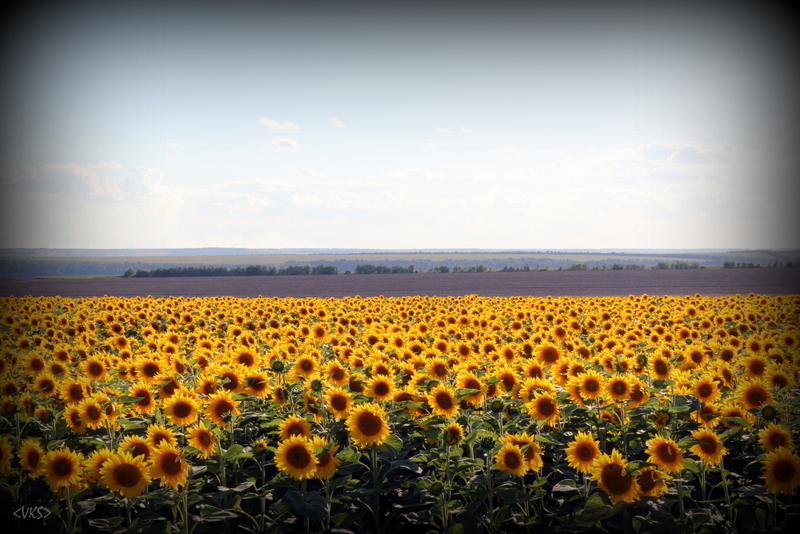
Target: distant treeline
751, 265
250, 270
33, 268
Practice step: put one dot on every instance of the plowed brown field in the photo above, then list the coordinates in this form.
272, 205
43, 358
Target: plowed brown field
556, 283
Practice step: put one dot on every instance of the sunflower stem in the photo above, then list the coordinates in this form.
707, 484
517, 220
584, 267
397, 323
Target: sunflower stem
376, 498
722, 472
306, 521
679, 482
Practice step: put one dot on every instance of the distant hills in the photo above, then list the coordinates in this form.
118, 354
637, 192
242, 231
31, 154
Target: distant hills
43, 262
228, 251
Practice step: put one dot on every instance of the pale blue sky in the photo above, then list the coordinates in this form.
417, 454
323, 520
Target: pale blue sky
350, 124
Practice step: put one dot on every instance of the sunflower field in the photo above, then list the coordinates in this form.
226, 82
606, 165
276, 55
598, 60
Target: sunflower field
421, 414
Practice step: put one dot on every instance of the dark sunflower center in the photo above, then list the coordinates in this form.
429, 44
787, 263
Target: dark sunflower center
127, 475
591, 385
298, 457
150, 369
95, 369
182, 409
704, 390
666, 453
338, 402
62, 467
512, 460
444, 400
616, 479
647, 481
709, 446
585, 453
777, 440
619, 388
222, 408
381, 388
756, 396
369, 424
204, 439
171, 464
783, 471
546, 406
93, 412
660, 367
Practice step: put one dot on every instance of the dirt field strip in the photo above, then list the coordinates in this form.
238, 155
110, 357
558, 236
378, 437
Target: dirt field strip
556, 283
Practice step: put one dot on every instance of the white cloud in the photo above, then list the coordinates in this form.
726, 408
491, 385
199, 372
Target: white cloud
428, 146
442, 130
337, 122
105, 165
509, 150
308, 171
272, 124
172, 145
464, 130
285, 144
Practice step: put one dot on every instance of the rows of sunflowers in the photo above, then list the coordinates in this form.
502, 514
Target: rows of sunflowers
442, 414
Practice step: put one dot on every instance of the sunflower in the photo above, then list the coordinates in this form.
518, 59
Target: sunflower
258, 384
5, 455
443, 401
158, 434
531, 450
136, 446
168, 465
590, 384
202, 438
45, 385
710, 450
94, 462
753, 393
511, 459
147, 404
149, 369
381, 388
660, 367
610, 473
94, 368
367, 424
453, 433
327, 462
72, 416
338, 401
547, 355
652, 482
706, 390
618, 388
664, 452
220, 405
182, 408
294, 426
336, 372
582, 452
775, 435
544, 408
92, 412
295, 457
125, 473
74, 391
30, 455
469, 380
62, 468
781, 471
305, 366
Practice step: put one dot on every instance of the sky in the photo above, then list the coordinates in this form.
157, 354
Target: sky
412, 125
